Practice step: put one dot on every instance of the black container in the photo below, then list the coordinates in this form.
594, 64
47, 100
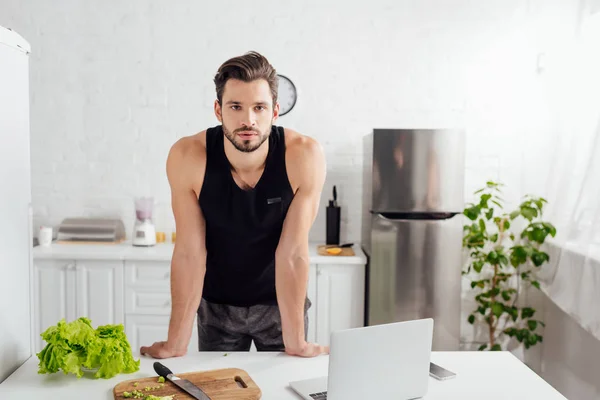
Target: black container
333, 225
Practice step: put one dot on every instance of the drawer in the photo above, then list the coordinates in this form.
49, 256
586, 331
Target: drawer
144, 330
147, 301
148, 274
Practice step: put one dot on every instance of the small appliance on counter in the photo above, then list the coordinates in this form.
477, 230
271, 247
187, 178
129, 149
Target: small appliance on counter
144, 232
90, 230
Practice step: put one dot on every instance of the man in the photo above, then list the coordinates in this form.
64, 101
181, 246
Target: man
244, 196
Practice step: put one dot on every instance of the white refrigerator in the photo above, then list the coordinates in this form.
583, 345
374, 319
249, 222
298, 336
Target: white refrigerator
15, 204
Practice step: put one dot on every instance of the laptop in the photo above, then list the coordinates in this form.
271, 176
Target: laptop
388, 361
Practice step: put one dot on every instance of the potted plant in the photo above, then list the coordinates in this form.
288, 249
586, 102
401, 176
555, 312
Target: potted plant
503, 258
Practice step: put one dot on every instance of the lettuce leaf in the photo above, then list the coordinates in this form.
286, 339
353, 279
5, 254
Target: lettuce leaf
71, 346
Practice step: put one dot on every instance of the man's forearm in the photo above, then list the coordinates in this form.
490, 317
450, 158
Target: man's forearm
291, 278
187, 281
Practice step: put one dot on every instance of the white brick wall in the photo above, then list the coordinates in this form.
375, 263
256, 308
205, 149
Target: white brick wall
115, 84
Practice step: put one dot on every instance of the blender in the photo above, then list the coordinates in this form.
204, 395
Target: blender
144, 232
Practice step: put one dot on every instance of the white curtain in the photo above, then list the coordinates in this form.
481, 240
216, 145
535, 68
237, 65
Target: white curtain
572, 80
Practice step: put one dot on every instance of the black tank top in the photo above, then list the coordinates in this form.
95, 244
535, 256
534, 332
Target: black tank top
243, 226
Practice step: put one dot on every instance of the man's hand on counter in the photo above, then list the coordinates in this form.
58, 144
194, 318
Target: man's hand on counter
162, 350
308, 350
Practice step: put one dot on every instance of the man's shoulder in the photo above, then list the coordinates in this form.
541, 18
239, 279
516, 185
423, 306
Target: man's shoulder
304, 157
186, 161
190, 148
298, 144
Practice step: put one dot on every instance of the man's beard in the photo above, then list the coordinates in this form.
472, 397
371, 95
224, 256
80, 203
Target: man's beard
246, 146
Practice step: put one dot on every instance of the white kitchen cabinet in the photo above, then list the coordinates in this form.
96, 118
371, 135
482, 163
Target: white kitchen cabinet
123, 284
71, 289
143, 330
99, 291
340, 299
148, 303
53, 295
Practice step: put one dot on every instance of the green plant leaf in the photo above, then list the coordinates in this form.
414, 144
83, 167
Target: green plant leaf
536, 284
477, 266
497, 309
539, 258
496, 347
512, 311
482, 347
515, 214
482, 225
512, 236
506, 295
489, 214
494, 238
479, 284
471, 319
506, 224
498, 204
484, 199
518, 256
532, 324
472, 213
527, 312
492, 257
503, 260
533, 339
550, 228
510, 331
528, 212
536, 232
542, 323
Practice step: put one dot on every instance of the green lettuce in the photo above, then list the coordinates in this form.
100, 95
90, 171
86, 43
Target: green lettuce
75, 346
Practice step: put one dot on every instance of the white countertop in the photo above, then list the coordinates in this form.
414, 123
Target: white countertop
159, 252
480, 375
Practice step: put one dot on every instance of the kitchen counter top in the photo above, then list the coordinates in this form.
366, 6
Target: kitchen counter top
489, 375
160, 252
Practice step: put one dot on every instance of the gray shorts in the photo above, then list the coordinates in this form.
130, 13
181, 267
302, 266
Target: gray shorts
230, 328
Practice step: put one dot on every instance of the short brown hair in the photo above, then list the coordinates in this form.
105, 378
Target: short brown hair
249, 67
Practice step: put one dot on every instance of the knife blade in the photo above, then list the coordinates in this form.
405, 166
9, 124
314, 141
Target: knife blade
183, 384
339, 245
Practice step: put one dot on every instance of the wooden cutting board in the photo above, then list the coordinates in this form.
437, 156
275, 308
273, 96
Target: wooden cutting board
346, 251
219, 384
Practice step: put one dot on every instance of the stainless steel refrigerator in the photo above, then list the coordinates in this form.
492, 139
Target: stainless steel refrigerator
413, 185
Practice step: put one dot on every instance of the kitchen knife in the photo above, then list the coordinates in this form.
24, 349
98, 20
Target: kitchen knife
183, 384
334, 196
339, 245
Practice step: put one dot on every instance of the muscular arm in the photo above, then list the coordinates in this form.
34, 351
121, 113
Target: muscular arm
307, 167
188, 264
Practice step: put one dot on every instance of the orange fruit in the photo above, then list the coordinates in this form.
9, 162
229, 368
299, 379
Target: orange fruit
334, 250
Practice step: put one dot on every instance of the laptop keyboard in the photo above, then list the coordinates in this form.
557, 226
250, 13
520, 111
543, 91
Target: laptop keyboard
319, 396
